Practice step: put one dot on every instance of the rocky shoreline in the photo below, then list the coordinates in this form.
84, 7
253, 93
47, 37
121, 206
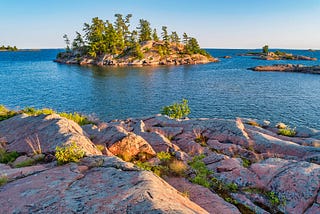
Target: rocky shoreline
288, 68
279, 56
151, 57
249, 167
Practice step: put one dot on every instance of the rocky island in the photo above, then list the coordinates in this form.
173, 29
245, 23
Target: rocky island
8, 48
107, 44
155, 164
288, 68
277, 55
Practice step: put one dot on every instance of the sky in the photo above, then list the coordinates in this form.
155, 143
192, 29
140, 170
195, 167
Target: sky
248, 24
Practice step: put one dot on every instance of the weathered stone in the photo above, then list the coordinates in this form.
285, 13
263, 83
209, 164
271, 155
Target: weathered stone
202, 196
49, 131
106, 189
119, 142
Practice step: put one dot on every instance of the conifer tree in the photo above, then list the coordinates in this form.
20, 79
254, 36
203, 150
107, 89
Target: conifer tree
144, 31
155, 35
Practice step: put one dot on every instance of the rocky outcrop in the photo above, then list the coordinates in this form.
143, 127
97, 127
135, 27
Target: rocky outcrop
278, 55
95, 185
43, 133
252, 169
288, 68
151, 57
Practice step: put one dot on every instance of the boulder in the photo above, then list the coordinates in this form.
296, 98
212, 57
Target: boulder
96, 185
119, 141
44, 131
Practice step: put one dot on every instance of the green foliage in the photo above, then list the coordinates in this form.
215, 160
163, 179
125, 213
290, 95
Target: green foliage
144, 30
67, 41
232, 187
76, 117
155, 35
81, 120
231, 200
265, 49
7, 157
164, 156
156, 169
174, 37
201, 171
3, 180
28, 162
287, 132
104, 37
279, 53
177, 110
8, 48
273, 198
245, 162
5, 113
69, 153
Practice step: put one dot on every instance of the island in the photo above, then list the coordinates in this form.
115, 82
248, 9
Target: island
107, 44
288, 68
277, 55
8, 48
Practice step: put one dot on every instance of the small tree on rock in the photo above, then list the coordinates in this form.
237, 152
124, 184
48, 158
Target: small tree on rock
265, 49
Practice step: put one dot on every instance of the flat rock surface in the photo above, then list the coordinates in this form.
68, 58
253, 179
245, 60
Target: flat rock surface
96, 185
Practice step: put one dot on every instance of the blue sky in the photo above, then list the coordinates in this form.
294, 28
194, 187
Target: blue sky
216, 24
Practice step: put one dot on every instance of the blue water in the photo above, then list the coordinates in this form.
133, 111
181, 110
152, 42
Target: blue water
223, 90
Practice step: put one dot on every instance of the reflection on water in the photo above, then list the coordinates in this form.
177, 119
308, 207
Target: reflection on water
225, 89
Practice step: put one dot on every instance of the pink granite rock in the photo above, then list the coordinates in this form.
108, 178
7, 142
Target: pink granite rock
50, 130
96, 185
203, 196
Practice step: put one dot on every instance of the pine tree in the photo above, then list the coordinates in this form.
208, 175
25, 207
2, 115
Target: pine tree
155, 35
174, 37
144, 31
185, 38
67, 41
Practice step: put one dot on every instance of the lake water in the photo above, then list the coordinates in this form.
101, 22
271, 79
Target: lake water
223, 90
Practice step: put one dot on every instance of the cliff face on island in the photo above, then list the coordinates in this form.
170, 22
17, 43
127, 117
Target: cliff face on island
151, 56
206, 166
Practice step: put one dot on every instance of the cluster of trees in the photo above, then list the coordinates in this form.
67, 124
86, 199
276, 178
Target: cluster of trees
104, 37
8, 48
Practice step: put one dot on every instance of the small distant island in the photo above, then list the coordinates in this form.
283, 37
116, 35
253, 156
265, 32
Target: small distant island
277, 55
8, 48
288, 68
107, 44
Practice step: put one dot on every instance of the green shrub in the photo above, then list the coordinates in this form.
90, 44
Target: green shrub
156, 169
273, 198
287, 132
69, 153
177, 110
76, 117
81, 120
25, 163
3, 180
232, 187
5, 113
245, 162
8, 157
164, 156
201, 171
